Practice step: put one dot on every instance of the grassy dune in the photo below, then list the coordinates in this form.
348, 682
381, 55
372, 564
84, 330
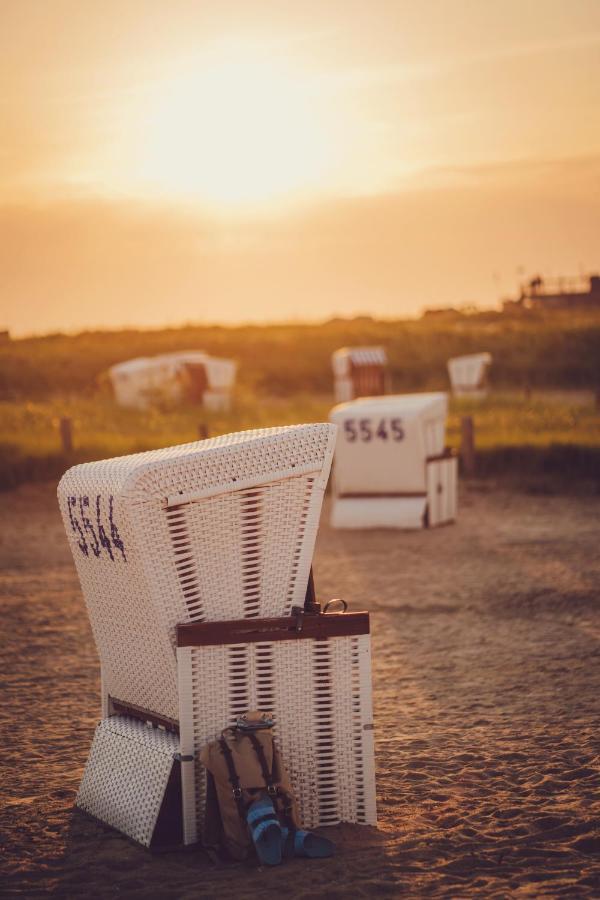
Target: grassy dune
285, 377
556, 351
549, 432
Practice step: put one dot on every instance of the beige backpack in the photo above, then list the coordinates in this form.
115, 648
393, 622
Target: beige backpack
243, 765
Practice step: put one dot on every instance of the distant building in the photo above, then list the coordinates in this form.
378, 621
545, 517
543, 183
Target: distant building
557, 293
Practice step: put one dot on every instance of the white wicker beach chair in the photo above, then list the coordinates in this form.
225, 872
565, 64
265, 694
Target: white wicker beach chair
173, 377
222, 529
391, 469
469, 375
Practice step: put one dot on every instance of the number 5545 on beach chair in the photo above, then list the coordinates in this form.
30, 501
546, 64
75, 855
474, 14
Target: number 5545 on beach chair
214, 532
391, 469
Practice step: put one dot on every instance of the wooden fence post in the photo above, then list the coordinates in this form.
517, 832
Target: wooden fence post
467, 445
65, 427
203, 431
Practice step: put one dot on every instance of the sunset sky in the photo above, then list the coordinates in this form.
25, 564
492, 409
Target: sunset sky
166, 162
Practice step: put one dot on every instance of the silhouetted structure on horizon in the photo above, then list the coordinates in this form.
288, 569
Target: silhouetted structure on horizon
540, 293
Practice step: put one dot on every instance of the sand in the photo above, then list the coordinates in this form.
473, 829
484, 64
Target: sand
487, 699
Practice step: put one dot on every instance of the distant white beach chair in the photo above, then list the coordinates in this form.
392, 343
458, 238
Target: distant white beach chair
469, 374
185, 538
173, 377
359, 372
391, 468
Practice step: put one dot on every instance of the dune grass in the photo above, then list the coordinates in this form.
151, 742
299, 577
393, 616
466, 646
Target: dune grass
540, 416
556, 351
560, 429
512, 419
546, 433
30, 444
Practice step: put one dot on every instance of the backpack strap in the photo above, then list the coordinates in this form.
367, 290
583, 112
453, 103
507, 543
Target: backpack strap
234, 779
268, 777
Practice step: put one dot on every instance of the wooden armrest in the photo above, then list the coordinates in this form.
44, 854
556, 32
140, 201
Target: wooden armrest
285, 628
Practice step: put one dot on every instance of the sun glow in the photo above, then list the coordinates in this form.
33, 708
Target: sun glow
234, 131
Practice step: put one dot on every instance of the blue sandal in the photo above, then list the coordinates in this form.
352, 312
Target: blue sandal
265, 831
307, 843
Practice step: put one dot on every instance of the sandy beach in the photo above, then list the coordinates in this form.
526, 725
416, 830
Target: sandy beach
486, 649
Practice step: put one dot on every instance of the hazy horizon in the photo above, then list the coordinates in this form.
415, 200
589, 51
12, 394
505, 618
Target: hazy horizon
253, 162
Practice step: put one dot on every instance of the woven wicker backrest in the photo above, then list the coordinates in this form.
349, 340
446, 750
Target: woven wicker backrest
216, 529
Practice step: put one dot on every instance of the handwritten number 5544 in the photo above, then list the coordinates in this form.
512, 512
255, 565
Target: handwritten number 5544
95, 538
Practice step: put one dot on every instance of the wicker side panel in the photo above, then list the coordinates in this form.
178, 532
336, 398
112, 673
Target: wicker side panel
442, 478
126, 776
320, 694
135, 649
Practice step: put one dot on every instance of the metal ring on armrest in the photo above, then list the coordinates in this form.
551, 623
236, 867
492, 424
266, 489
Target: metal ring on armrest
336, 600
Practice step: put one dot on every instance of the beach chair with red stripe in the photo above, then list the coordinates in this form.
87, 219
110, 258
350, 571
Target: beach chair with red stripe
359, 372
